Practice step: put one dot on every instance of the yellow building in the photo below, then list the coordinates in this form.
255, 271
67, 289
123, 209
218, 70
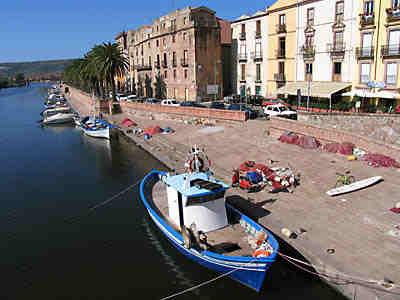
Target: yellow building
378, 55
122, 40
281, 54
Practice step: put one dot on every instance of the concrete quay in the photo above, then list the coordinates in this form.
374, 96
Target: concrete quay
358, 226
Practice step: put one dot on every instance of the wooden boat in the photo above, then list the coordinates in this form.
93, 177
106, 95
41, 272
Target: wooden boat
354, 186
58, 115
190, 210
97, 128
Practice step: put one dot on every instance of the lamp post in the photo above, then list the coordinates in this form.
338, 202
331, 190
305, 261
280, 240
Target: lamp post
308, 88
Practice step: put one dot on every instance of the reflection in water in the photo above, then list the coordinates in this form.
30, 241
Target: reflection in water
102, 147
57, 128
184, 282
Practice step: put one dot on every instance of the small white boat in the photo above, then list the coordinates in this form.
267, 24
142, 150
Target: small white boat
96, 128
58, 115
354, 186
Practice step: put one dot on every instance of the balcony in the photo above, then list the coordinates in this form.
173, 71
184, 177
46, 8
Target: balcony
242, 36
280, 53
365, 52
157, 64
280, 28
242, 57
367, 20
164, 64
257, 34
257, 56
184, 62
390, 51
308, 52
143, 67
279, 77
392, 14
172, 28
337, 50
174, 63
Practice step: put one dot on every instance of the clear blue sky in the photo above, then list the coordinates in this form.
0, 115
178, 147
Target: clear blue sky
42, 30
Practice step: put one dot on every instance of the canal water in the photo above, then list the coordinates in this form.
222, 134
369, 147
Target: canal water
53, 246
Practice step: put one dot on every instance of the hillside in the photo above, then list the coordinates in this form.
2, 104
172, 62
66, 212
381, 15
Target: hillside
35, 67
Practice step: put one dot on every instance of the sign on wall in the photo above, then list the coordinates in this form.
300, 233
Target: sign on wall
212, 89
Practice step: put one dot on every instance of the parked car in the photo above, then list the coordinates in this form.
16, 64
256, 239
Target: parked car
131, 98
217, 105
256, 100
122, 97
170, 102
252, 114
272, 101
152, 101
280, 110
192, 104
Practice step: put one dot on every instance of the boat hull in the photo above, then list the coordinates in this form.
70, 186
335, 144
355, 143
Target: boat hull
65, 118
97, 133
249, 271
358, 185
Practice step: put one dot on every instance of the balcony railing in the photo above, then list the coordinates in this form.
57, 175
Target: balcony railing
257, 34
242, 56
242, 36
392, 14
280, 53
184, 62
391, 50
280, 77
157, 64
365, 52
164, 64
308, 52
280, 28
174, 63
367, 19
143, 67
337, 50
257, 56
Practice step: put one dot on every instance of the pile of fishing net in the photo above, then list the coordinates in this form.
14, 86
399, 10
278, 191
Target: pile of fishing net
344, 148
379, 160
306, 142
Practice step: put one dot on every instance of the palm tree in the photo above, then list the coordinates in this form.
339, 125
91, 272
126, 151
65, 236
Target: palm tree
110, 62
160, 86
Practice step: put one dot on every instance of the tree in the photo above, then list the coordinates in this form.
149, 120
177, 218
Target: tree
160, 87
147, 86
19, 78
140, 86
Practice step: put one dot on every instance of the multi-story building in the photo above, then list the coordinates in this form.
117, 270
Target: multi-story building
281, 55
180, 52
122, 82
249, 48
378, 54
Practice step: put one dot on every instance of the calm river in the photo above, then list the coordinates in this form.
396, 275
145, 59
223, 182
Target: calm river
53, 247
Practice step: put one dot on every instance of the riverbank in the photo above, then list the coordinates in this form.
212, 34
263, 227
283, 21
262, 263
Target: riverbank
355, 225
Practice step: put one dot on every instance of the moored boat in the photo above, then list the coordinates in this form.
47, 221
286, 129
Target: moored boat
191, 211
96, 128
58, 115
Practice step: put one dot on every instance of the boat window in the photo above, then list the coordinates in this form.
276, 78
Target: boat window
205, 198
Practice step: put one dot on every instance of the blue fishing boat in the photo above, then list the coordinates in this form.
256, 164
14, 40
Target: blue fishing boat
191, 211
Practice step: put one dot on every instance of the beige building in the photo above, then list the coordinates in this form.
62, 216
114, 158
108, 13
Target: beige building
184, 49
281, 55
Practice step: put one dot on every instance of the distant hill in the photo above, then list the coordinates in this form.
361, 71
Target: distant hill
34, 67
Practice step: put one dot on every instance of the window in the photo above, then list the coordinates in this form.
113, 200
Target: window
148, 45
174, 58
310, 16
365, 72
243, 28
309, 41
337, 68
242, 51
366, 49
309, 68
163, 41
338, 40
258, 72
394, 42
369, 8
184, 36
281, 67
395, 3
185, 73
339, 12
163, 25
184, 20
282, 46
174, 74
185, 56
157, 28
149, 60
258, 27
173, 38
165, 74
165, 59
243, 74
282, 19
157, 43
391, 73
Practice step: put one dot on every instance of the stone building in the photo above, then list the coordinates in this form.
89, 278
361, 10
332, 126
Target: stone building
179, 56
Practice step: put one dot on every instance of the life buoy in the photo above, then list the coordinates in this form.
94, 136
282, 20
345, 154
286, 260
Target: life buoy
261, 253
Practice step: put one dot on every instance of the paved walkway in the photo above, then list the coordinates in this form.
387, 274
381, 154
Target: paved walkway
356, 225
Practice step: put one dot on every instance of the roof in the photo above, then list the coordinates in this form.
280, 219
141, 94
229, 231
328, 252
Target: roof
178, 183
322, 89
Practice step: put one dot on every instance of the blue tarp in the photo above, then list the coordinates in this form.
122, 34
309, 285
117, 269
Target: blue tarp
254, 177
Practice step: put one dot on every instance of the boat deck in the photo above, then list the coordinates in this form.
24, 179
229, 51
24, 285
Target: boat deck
231, 240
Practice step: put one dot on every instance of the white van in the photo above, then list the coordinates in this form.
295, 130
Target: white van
171, 102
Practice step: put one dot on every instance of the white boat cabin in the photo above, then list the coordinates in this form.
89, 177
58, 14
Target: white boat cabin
196, 198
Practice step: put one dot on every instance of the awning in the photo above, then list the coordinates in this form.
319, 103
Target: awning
317, 88
367, 94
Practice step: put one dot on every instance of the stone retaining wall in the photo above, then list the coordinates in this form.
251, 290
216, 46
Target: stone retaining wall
326, 135
187, 111
382, 127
